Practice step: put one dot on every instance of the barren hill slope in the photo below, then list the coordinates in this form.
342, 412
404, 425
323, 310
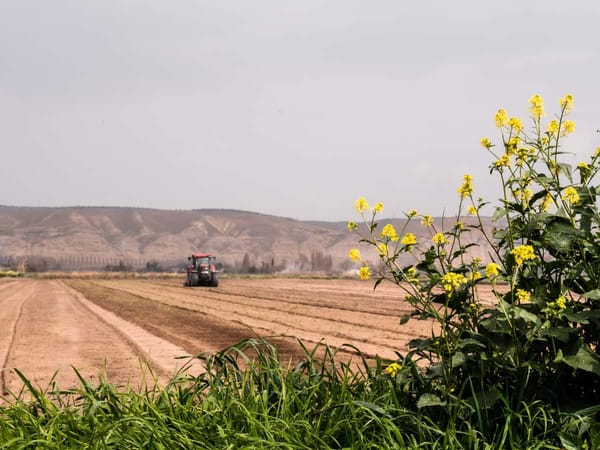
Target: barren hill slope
93, 237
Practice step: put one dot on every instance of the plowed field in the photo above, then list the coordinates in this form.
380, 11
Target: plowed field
110, 326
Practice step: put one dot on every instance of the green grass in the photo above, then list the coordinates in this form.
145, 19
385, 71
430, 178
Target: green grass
249, 398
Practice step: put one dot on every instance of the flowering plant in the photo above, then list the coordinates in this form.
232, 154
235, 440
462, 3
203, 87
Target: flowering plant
538, 338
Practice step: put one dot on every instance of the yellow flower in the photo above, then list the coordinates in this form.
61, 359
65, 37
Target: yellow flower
536, 106
411, 271
364, 273
523, 295
515, 124
389, 232
571, 195
408, 240
552, 128
547, 203
452, 281
523, 253
522, 154
472, 211
561, 302
501, 118
566, 103
354, 254
361, 205
413, 213
383, 248
485, 142
492, 270
426, 220
378, 207
503, 161
597, 152
568, 127
393, 369
439, 239
512, 144
474, 276
466, 188
458, 226
352, 226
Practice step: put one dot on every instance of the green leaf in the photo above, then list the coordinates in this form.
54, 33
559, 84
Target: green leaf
484, 400
428, 400
593, 295
560, 333
405, 318
570, 442
468, 342
584, 359
458, 359
371, 406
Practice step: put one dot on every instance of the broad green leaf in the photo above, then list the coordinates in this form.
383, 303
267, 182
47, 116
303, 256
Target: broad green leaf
484, 400
584, 359
593, 295
458, 359
427, 400
560, 333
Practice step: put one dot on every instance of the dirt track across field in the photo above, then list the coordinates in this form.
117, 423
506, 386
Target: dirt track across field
111, 326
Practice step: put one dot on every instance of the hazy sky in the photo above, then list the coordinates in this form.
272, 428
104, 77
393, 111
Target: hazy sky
291, 108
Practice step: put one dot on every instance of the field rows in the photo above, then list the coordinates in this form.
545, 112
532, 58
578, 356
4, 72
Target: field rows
49, 325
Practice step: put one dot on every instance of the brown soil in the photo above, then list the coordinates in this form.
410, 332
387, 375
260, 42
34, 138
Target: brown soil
111, 327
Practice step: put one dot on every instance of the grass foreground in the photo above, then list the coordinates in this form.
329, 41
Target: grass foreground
249, 398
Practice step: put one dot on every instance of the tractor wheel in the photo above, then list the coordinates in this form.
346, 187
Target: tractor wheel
214, 282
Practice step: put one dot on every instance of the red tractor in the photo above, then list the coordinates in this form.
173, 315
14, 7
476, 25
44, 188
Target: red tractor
201, 271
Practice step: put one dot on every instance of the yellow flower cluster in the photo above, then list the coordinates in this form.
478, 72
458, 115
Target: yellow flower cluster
561, 302
364, 273
553, 128
354, 254
413, 213
485, 142
378, 207
566, 103
472, 211
536, 106
452, 281
568, 127
523, 295
501, 118
466, 188
547, 203
571, 195
352, 226
409, 240
393, 369
523, 253
426, 220
503, 161
492, 270
516, 124
361, 205
439, 239
389, 232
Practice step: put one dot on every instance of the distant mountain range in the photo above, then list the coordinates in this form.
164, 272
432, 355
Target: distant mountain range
97, 237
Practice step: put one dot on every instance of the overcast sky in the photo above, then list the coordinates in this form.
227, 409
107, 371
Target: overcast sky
291, 108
